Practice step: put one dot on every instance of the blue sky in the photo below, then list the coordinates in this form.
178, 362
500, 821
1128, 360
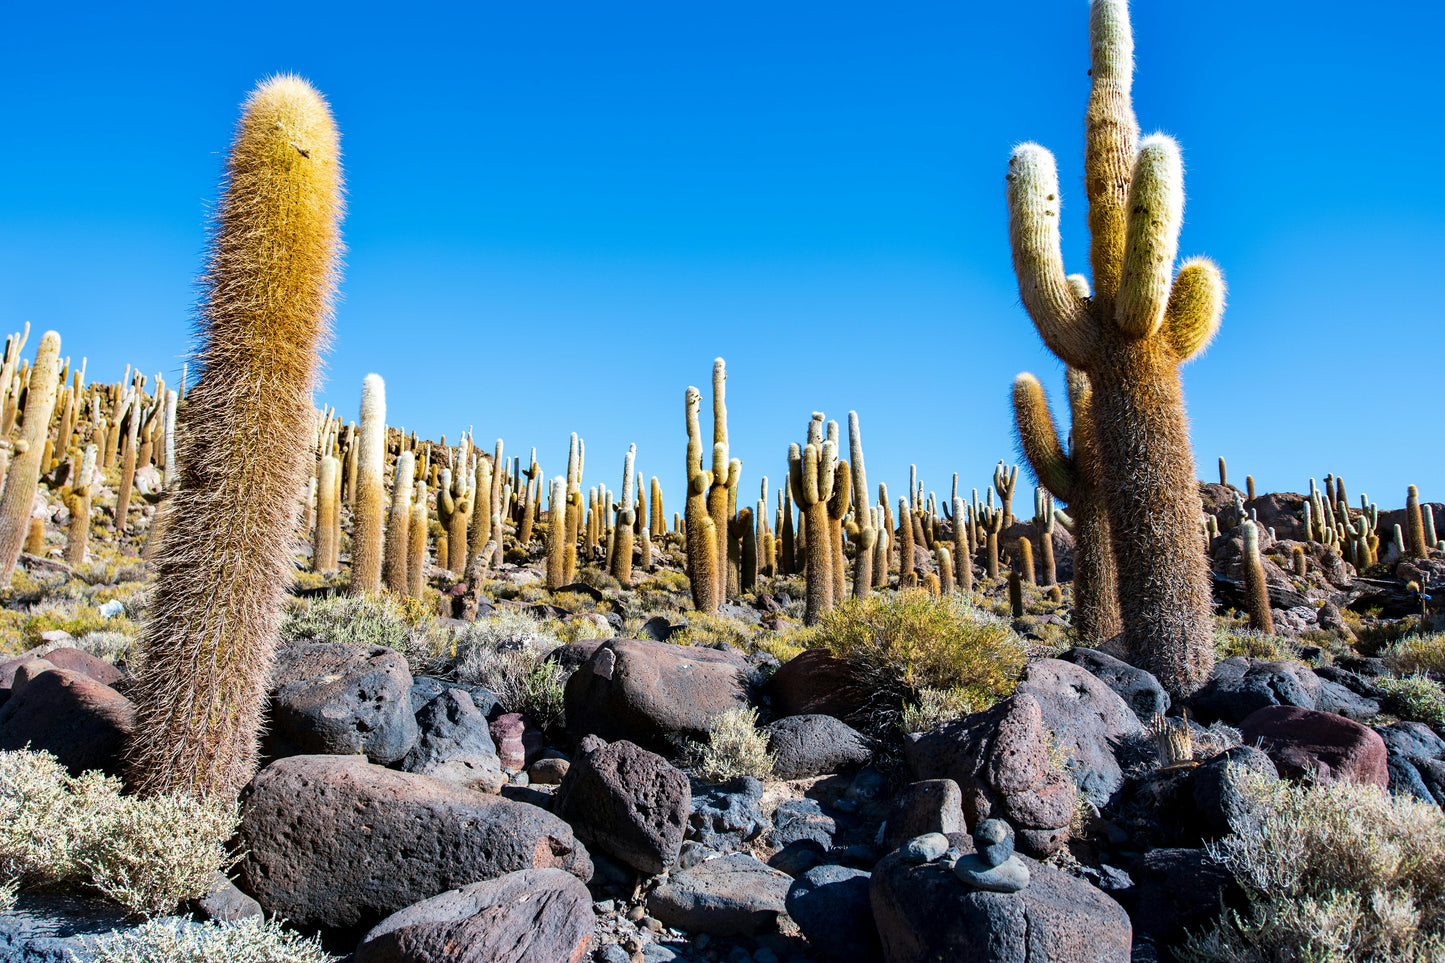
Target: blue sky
561, 213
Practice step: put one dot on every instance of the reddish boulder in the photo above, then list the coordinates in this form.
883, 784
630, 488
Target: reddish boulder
1334, 748
816, 683
80, 721
78, 660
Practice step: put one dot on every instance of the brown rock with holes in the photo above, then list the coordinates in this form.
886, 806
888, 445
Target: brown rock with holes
1334, 748
522, 917
627, 802
518, 740
334, 841
80, 721
816, 683
654, 694
999, 759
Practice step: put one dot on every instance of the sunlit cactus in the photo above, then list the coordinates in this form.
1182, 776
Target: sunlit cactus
23, 475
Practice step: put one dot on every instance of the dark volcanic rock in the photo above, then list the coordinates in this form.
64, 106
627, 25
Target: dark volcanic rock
337, 699
830, 905
815, 745
1333, 748
83, 723
627, 802
729, 896
455, 744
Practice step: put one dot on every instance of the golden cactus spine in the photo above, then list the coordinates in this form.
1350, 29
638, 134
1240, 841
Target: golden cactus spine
224, 565
1044, 527
325, 551
717, 493
495, 504
839, 504
1130, 335
370, 492
557, 534
416, 544
657, 514
77, 502
701, 541
1416, 545
1026, 561
398, 525
128, 461
1256, 590
23, 475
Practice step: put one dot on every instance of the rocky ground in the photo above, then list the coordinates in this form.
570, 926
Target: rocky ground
537, 784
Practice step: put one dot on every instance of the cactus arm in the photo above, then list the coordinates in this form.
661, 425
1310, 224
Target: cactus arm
1196, 304
1039, 440
1156, 210
1110, 141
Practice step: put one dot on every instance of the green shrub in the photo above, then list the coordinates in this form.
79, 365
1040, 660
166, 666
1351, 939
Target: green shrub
935, 706
1338, 873
1417, 653
709, 629
250, 940
507, 653
367, 619
906, 642
735, 747
147, 854
1415, 698
1231, 639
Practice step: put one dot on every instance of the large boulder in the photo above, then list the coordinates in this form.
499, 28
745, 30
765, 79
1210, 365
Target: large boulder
1239, 686
926, 806
337, 699
925, 913
78, 660
530, 915
455, 745
734, 895
815, 745
1088, 721
727, 818
1331, 747
334, 841
627, 802
999, 759
830, 905
1180, 889
1139, 689
816, 683
1214, 800
654, 694
83, 723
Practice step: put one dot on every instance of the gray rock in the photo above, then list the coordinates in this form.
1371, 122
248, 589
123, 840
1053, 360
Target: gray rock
830, 905
815, 745
627, 802
733, 895
1139, 689
424, 689
925, 914
1342, 701
1178, 890
994, 840
1413, 739
48, 928
533, 914
337, 699
1216, 801
1009, 876
926, 806
1239, 687
337, 842
225, 903
925, 848
1087, 719
455, 745
726, 818
798, 819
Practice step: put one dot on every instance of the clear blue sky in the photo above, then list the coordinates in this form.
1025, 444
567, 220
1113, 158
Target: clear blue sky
560, 213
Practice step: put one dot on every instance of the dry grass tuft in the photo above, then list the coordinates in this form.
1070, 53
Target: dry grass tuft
735, 747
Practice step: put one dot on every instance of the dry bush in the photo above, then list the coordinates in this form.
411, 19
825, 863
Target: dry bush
405, 625
1338, 873
935, 706
1414, 697
708, 629
906, 642
250, 940
507, 653
1419, 653
735, 747
59, 831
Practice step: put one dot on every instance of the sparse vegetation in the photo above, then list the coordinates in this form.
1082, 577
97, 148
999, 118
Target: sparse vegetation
735, 747
1339, 873
251, 940
60, 831
1417, 698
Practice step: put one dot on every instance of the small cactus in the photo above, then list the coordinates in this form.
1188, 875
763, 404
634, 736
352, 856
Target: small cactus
1256, 591
370, 517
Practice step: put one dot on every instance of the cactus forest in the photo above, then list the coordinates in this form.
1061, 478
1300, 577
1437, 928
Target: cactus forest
279, 685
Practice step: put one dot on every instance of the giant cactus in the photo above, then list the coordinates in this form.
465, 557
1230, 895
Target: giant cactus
621, 561
867, 534
1130, 335
812, 472
398, 525
366, 532
224, 564
23, 476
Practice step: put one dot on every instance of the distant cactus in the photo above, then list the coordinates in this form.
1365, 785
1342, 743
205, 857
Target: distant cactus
702, 562
1300, 561
1416, 545
1249, 487
398, 525
962, 560
626, 517
1015, 593
1044, 525
1026, 561
992, 524
812, 471
326, 547
23, 476
77, 502
557, 534
945, 569
839, 503
225, 564
1130, 335
906, 574
1223, 472
370, 517
1004, 481
1256, 591
867, 534
416, 543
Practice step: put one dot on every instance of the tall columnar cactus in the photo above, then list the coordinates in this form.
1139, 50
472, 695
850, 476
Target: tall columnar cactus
495, 506
1044, 525
370, 517
1256, 590
1074, 479
128, 461
621, 560
325, 549
479, 526
992, 519
702, 562
572, 511
1130, 336
24, 473
839, 504
224, 565
812, 471
1223, 472
1416, 545
906, 574
867, 534
1004, 481
398, 524
962, 563
1025, 561
788, 551
557, 534
77, 502
657, 515
416, 543
717, 493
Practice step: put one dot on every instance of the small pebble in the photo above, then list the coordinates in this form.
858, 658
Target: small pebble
652, 924
925, 848
636, 913
519, 779
994, 840
604, 907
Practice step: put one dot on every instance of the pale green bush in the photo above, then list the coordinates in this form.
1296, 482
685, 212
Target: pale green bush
1340, 873
1417, 653
251, 940
735, 747
507, 653
60, 831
